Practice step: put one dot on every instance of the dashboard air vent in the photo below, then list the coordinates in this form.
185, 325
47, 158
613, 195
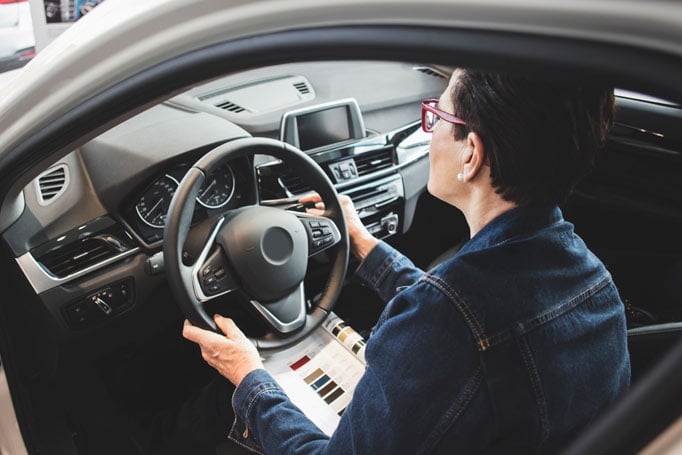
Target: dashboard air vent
81, 248
261, 97
52, 183
76, 257
302, 87
230, 107
373, 161
293, 184
430, 71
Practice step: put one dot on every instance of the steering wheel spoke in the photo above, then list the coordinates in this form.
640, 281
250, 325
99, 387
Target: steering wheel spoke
285, 315
212, 275
322, 232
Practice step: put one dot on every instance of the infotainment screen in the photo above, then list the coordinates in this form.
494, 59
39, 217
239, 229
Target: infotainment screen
323, 127
316, 127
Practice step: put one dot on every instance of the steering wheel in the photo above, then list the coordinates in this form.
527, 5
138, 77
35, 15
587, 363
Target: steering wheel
257, 250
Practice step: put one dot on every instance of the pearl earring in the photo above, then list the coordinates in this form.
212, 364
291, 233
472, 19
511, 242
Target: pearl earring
460, 177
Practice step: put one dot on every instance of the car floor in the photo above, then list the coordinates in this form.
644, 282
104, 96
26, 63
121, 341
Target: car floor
128, 401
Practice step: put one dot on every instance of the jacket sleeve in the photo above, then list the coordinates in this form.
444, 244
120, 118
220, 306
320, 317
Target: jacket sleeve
419, 381
267, 421
387, 272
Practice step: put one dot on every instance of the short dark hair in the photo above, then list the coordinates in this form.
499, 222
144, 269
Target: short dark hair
540, 137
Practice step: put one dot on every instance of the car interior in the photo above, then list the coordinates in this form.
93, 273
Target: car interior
96, 322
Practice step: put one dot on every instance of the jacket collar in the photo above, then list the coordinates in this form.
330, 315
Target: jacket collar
514, 223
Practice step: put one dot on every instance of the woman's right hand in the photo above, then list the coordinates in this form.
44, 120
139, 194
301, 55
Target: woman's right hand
361, 241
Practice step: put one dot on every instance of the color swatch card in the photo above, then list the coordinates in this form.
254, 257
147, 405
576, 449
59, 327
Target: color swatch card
320, 373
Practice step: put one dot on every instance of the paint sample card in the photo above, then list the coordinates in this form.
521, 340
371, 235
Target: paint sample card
320, 373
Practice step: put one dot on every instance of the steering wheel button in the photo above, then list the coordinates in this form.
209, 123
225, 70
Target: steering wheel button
219, 273
214, 288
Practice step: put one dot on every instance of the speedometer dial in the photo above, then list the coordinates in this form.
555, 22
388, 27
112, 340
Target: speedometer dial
218, 188
152, 207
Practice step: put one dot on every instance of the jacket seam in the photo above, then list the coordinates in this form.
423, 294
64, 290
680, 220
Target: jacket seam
256, 396
550, 314
253, 448
256, 447
525, 234
463, 308
536, 383
387, 267
453, 412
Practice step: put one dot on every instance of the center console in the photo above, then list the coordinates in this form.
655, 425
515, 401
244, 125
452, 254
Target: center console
365, 168
379, 204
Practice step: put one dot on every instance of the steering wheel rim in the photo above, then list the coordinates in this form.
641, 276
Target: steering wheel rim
183, 279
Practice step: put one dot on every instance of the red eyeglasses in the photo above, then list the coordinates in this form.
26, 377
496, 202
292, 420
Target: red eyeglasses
431, 114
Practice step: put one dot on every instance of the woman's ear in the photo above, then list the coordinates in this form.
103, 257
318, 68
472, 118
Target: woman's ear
473, 157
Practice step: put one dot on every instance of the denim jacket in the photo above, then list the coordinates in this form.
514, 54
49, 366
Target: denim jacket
514, 344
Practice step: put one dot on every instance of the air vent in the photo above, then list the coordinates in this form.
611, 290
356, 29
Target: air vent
77, 256
374, 161
293, 184
302, 87
230, 107
52, 183
262, 97
80, 249
430, 72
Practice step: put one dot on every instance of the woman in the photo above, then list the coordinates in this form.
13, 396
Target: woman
512, 344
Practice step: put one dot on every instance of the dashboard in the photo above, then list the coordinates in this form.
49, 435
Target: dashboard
90, 239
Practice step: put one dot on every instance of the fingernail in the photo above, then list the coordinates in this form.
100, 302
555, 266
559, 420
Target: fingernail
217, 316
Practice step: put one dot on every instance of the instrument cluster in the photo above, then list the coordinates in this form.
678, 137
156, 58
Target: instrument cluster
225, 188
217, 190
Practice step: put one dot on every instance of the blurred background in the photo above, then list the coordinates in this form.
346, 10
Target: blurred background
27, 26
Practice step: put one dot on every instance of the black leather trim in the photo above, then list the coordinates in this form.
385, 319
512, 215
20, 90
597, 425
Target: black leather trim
174, 236
668, 330
647, 345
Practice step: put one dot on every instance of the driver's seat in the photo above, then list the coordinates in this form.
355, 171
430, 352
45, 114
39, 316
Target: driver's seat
648, 344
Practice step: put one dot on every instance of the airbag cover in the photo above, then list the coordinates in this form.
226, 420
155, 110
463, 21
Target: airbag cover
268, 248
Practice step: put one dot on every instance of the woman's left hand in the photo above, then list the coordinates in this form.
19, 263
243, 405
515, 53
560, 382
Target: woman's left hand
233, 355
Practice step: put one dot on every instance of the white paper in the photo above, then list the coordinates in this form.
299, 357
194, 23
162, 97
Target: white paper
320, 373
